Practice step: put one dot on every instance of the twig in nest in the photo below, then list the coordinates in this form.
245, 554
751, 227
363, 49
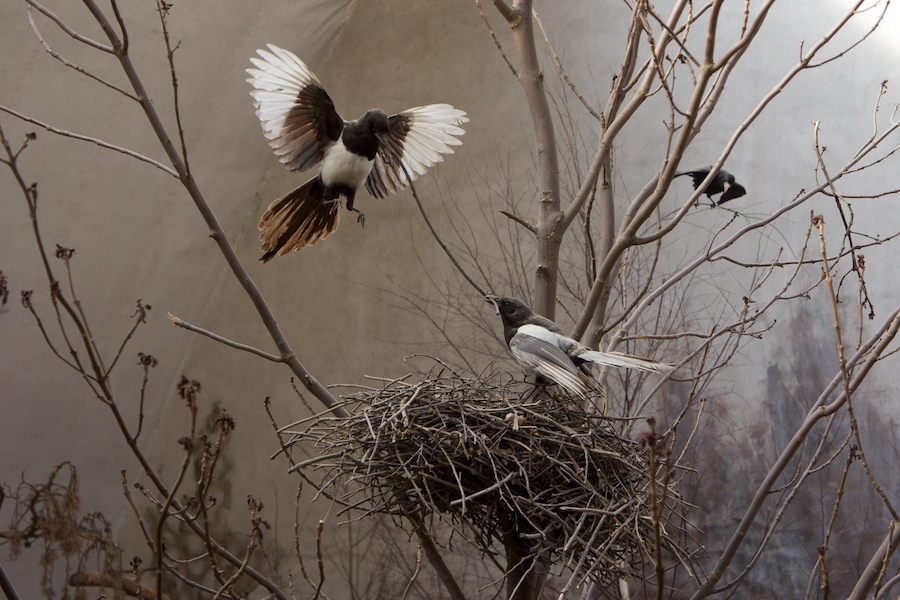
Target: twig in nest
444, 446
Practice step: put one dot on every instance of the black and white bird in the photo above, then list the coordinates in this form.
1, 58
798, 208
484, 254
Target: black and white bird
722, 182
538, 345
304, 129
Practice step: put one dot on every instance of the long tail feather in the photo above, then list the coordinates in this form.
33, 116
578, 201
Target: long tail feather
615, 359
297, 219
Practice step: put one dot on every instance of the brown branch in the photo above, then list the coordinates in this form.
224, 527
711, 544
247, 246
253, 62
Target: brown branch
531, 78
162, 8
504, 9
72, 65
714, 251
98, 382
163, 513
6, 585
415, 574
62, 25
496, 41
223, 340
436, 560
871, 351
216, 231
854, 425
255, 539
519, 220
875, 569
92, 140
114, 581
562, 71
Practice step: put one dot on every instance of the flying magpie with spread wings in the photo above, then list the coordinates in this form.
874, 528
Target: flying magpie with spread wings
722, 182
538, 345
303, 129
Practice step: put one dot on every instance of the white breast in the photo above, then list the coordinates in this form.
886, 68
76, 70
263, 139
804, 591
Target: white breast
342, 167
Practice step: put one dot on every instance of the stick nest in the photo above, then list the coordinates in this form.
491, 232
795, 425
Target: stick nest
474, 453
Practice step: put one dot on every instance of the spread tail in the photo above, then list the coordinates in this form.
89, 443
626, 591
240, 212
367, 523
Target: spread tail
297, 219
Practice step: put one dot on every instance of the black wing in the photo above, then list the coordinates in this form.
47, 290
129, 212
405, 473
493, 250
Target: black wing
735, 190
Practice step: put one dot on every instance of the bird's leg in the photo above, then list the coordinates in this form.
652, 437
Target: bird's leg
361, 219
536, 388
331, 198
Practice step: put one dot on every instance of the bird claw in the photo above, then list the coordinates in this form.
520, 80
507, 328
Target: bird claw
361, 219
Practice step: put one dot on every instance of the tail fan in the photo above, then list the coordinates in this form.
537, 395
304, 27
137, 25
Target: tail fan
297, 219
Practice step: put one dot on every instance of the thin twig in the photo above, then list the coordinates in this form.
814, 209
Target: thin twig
72, 65
214, 336
562, 71
434, 232
75, 35
415, 574
92, 140
494, 37
216, 231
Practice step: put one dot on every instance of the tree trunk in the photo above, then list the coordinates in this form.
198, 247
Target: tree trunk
524, 578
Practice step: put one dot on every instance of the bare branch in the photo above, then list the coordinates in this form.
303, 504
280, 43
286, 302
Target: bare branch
71, 65
214, 336
562, 71
216, 231
415, 574
520, 221
62, 25
875, 569
113, 581
531, 78
84, 138
872, 350
496, 41
6, 585
504, 9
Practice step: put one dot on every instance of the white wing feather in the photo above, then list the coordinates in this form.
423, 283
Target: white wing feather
278, 79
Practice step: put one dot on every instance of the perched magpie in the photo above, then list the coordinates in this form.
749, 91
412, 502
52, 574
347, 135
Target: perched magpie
537, 344
722, 182
303, 129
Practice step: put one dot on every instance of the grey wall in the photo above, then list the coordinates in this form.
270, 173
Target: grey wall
341, 303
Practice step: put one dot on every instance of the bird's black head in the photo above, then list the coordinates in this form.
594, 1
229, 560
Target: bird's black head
376, 121
513, 312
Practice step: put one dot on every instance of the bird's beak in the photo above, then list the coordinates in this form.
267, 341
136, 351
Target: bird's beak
493, 300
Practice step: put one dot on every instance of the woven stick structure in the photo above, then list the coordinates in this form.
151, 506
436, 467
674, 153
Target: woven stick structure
474, 453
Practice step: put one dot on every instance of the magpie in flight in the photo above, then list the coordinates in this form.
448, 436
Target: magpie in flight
304, 129
722, 182
538, 345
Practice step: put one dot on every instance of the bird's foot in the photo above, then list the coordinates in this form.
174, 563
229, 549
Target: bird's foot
361, 219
